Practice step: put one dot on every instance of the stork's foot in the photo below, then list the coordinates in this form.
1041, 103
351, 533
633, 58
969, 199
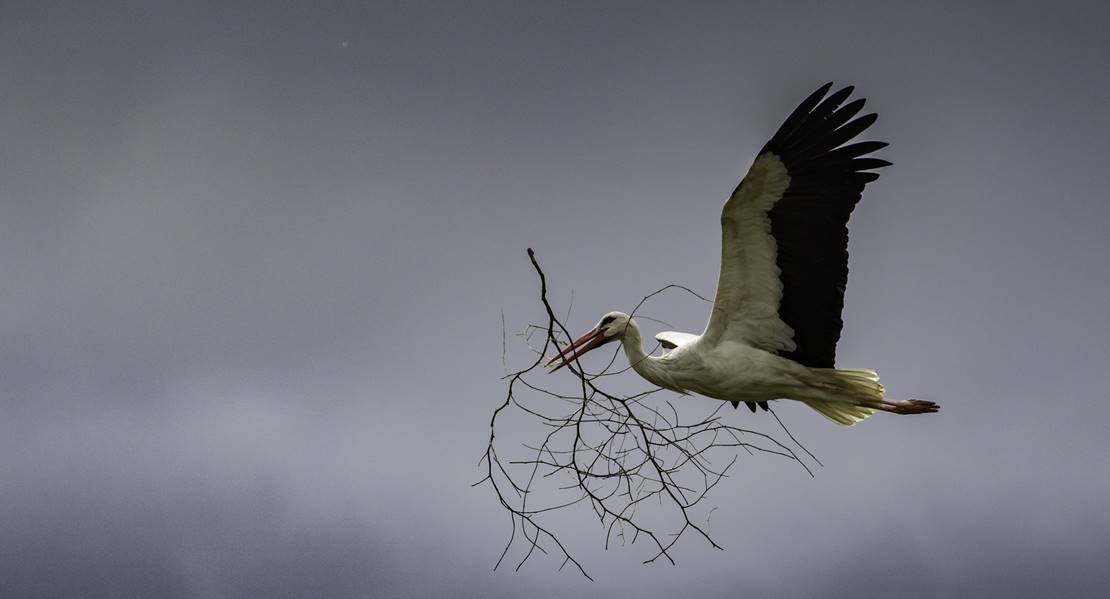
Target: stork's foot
909, 406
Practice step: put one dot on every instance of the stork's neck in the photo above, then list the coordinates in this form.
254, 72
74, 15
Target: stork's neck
644, 365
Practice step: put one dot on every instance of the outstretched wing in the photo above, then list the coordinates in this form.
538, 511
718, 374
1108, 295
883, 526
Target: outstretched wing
784, 255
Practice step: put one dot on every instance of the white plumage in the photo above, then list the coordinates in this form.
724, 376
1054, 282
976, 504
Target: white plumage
775, 321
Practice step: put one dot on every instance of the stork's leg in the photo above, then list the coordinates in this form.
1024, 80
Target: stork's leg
907, 406
847, 396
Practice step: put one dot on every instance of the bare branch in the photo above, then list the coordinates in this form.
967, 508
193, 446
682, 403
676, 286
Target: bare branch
636, 466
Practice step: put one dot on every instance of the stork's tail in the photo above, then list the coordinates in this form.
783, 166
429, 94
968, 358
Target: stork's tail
852, 395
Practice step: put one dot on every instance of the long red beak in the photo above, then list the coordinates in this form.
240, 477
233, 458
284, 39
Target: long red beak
582, 345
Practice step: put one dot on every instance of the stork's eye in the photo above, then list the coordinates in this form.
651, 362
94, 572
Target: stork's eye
607, 320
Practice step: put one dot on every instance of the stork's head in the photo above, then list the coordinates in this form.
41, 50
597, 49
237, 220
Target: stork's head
611, 327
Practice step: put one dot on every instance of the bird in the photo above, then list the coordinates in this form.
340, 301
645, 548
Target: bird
776, 316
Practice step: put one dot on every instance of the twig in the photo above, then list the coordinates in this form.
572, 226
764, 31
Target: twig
631, 463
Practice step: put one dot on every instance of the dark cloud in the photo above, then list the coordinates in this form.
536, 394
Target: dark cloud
255, 259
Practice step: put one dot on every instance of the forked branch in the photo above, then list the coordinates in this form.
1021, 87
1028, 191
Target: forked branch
642, 469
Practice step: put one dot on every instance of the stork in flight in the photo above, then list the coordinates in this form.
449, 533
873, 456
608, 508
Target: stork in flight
784, 265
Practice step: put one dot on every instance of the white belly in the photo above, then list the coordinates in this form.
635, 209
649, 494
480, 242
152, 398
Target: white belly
736, 372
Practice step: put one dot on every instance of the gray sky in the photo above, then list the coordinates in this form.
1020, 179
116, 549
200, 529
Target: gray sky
255, 259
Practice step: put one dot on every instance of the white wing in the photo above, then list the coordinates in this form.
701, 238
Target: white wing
672, 339
749, 289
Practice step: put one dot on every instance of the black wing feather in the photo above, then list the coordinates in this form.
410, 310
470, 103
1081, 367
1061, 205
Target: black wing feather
846, 113
856, 149
800, 113
810, 221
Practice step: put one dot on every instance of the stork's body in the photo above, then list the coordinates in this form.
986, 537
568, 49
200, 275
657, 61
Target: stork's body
775, 322
738, 372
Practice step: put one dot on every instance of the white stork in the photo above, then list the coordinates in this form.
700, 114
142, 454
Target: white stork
784, 265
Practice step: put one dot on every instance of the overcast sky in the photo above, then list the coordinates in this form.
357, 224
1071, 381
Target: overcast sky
255, 257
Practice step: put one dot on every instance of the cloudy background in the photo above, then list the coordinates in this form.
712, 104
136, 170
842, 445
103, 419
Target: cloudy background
255, 257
